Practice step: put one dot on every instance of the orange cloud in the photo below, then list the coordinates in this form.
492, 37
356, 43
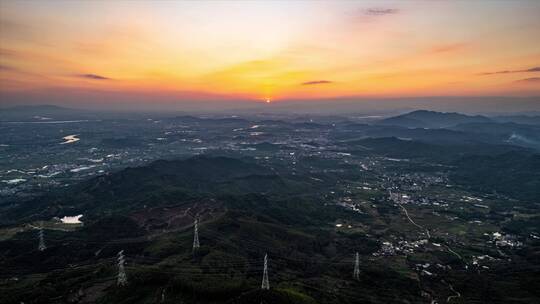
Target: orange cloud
449, 48
314, 82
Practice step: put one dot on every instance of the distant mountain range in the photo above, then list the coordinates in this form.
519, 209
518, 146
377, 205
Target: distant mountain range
422, 125
41, 109
431, 119
40, 113
455, 127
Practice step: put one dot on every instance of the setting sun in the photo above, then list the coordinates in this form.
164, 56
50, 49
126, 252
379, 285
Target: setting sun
312, 50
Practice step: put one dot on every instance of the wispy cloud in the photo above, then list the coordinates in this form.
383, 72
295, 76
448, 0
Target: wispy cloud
12, 69
445, 48
8, 68
7, 53
377, 11
315, 82
529, 80
534, 69
368, 15
92, 77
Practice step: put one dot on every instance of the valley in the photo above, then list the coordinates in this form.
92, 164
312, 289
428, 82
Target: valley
433, 219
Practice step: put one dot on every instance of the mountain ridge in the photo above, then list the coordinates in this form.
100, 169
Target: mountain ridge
432, 119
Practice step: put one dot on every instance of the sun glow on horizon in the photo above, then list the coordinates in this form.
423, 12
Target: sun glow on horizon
291, 50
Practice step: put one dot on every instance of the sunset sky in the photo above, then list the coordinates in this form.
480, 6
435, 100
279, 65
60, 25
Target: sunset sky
259, 50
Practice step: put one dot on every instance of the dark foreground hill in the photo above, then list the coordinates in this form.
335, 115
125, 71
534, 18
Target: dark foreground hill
164, 182
245, 210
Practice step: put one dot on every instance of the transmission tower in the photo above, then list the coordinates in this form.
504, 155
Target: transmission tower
265, 283
356, 273
196, 244
41, 246
122, 278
